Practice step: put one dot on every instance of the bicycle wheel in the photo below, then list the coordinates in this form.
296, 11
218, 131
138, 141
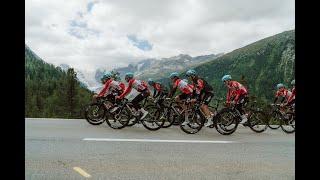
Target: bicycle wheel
274, 121
95, 113
257, 121
118, 119
226, 121
288, 123
152, 121
195, 124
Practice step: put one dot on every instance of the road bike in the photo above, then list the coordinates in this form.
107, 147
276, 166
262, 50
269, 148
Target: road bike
285, 117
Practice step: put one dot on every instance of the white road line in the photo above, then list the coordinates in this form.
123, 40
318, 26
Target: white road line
82, 172
53, 119
155, 140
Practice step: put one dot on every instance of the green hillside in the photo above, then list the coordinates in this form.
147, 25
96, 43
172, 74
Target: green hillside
51, 92
259, 66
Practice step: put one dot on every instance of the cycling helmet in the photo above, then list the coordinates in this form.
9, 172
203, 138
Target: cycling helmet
191, 72
150, 82
280, 85
226, 77
128, 75
293, 82
106, 75
173, 75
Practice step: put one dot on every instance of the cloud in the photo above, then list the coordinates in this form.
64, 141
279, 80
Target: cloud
93, 34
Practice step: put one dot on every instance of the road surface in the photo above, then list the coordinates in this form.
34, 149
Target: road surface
73, 149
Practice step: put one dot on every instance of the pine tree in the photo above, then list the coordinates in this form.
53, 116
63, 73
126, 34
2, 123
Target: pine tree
71, 91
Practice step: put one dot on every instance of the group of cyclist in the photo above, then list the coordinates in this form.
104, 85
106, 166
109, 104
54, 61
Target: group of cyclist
197, 91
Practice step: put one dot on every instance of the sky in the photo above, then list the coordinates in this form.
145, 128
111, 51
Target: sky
91, 34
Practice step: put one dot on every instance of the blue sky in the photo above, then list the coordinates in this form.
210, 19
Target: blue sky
140, 43
90, 6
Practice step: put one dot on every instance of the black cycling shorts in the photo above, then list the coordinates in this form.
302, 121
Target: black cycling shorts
207, 97
184, 96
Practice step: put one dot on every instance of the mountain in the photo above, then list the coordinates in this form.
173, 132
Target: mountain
80, 76
259, 66
50, 91
155, 68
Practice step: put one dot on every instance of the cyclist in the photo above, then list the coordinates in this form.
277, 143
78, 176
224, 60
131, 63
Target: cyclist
111, 87
159, 90
143, 90
184, 87
282, 92
203, 92
291, 99
237, 94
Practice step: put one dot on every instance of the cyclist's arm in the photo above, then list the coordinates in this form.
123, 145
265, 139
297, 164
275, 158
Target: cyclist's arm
126, 92
291, 97
228, 96
236, 99
276, 97
104, 90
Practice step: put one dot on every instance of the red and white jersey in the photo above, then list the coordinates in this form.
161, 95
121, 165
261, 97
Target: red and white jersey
157, 87
110, 86
198, 86
122, 85
138, 84
235, 89
284, 93
183, 86
293, 95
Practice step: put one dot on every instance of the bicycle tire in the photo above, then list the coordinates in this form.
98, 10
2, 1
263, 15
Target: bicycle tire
221, 122
274, 116
100, 118
122, 117
193, 130
153, 118
284, 125
260, 121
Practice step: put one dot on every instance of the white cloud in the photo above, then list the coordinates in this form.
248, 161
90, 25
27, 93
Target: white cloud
193, 27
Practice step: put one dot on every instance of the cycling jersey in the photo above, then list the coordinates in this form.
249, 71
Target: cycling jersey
157, 86
122, 85
236, 90
138, 85
183, 86
293, 95
201, 86
111, 86
283, 93
159, 89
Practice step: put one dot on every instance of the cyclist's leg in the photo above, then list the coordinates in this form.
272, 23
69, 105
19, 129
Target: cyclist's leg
136, 100
136, 103
179, 99
206, 100
241, 102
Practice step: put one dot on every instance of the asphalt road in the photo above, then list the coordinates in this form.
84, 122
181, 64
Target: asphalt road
60, 149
